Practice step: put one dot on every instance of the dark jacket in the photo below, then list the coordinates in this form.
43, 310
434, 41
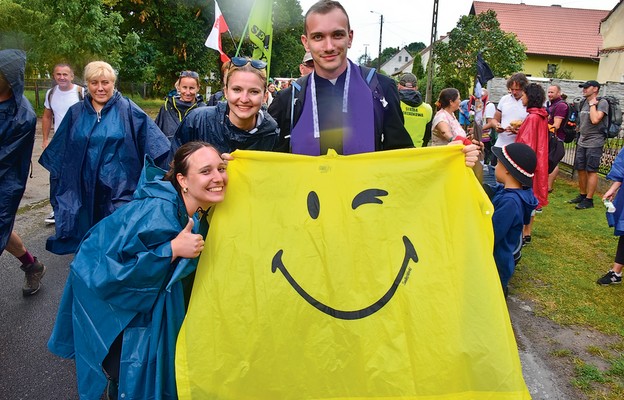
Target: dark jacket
212, 125
390, 132
173, 112
95, 161
123, 280
17, 138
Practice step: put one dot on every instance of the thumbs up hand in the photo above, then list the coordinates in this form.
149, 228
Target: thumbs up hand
187, 244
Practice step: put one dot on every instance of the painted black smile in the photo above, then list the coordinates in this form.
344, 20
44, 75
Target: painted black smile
410, 254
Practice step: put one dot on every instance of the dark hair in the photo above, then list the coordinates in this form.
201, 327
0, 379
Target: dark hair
180, 164
446, 97
518, 78
324, 7
536, 95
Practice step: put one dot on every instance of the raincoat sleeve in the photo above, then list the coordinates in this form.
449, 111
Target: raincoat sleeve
126, 259
150, 139
190, 129
617, 169
53, 155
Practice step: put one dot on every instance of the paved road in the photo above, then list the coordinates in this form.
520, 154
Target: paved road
29, 371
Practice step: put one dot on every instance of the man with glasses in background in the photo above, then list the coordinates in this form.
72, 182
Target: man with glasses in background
510, 111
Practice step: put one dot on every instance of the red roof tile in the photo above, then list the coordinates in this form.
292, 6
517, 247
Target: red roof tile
550, 30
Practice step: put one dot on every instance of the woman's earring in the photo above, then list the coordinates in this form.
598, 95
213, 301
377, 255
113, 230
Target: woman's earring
185, 190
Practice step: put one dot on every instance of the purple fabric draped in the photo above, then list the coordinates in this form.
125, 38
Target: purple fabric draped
359, 132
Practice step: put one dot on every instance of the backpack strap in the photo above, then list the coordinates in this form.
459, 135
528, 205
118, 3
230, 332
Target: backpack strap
50, 93
370, 77
79, 91
296, 87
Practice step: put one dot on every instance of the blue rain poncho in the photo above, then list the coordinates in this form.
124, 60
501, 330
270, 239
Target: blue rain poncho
122, 280
95, 161
17, 138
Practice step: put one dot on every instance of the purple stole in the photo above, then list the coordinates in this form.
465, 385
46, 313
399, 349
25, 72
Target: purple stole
358, 136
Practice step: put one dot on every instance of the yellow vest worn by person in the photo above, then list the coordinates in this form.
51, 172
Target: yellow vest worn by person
416, 119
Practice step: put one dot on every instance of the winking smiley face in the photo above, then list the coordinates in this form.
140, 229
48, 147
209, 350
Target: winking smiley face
366, 197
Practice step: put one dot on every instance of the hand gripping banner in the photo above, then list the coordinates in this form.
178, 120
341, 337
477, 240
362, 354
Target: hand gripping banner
368, 276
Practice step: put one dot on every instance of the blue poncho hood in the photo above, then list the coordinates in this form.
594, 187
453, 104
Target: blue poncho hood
13, 67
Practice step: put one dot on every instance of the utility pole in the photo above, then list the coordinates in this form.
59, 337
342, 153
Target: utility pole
380, 36
434, 33
366, 54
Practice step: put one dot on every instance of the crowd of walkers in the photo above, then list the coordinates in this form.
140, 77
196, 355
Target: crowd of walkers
130, 195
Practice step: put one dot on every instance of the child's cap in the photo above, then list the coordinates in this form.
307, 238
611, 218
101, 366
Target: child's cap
520, 161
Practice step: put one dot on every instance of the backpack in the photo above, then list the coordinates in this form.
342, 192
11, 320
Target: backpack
570, 122
614, 119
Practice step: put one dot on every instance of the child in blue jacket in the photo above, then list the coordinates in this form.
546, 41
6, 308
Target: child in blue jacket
513, 202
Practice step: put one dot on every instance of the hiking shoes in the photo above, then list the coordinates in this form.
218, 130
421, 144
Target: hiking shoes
585, 204
609, 279
578, 199
32, 281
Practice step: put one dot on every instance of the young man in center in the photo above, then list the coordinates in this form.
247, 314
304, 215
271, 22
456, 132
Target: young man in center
335, 107
340, 105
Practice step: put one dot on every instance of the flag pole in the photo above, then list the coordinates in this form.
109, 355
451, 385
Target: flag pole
242, 38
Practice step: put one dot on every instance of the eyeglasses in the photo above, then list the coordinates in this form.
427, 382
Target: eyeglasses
242, 61
190, 74
309, 63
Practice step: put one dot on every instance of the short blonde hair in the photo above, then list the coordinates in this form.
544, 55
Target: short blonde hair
96, 69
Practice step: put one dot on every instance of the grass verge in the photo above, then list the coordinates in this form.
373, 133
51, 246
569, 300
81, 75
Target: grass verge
570, 250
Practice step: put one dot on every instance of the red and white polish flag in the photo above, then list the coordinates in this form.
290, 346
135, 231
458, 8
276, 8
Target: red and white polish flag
214, 39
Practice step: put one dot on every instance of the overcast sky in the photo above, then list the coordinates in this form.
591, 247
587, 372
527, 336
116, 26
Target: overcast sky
410, 21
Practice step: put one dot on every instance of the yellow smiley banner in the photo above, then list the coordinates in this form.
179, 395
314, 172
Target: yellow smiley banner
349, 277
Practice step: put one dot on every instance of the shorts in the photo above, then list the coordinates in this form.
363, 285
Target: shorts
588, 159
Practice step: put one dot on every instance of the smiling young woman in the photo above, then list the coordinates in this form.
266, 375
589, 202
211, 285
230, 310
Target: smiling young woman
239, 123
126, 285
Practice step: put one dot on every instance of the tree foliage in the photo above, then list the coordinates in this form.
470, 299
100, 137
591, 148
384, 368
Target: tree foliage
76, 31
288, 51
417, 68
456, 59
415, 47
145, 40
